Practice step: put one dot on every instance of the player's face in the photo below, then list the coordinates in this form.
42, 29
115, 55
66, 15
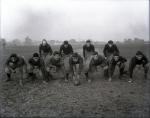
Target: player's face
44, 43
95, 57
35, 58
57, 57
139, 57
88, 44
116, 58
13, 59
75, 59
66, 45
110, 45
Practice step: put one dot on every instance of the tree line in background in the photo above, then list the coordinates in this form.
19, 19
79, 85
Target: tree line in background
28, 42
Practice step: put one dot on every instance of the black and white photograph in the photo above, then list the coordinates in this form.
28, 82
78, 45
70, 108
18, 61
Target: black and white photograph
74, 59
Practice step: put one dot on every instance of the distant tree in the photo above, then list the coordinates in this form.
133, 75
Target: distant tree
128, 41
138, 40
16, 42
117, 42
52, 42
72, 41
28, 41
3, 42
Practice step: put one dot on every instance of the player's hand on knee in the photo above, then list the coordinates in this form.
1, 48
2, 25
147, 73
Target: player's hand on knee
130, 80
110, 79
105, 67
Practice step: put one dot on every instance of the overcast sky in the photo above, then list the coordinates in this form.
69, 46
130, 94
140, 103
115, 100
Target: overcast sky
100, 20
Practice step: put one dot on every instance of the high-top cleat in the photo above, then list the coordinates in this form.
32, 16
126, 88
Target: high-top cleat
8, 78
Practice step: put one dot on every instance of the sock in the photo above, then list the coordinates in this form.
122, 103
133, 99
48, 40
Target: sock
30, 74
86, 74
8, 75
67, 75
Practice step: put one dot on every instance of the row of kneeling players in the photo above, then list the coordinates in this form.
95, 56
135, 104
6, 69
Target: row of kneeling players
48, 64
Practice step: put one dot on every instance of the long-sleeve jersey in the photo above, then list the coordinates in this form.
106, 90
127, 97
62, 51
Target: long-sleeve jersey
53, 62
72, 63
19, 62
143, 61
45, 49
39, 63
121, 63
121, 60
110, 50
66, 50
91, 48
134, 61
100, 61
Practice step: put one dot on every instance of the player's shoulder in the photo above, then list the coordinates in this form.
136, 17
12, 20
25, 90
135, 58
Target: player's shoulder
92, 45
80, 56
30, 60
21, 57
40, 45
84, 45
106, 45
62, 45
100, 56
122, 57
133, 58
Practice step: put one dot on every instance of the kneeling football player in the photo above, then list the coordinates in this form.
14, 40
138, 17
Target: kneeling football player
119, 61
13, 63
141, 60
96, 61
76, 65
36, 68
55, 65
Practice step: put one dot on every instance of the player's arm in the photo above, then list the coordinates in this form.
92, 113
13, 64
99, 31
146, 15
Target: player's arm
80, 64
7, 63
104, 63
84, 51
71, 49
145, 59
50, 49
40, 50
132, 65
93, 48
61, 50
116, 49
104, 50
71, 65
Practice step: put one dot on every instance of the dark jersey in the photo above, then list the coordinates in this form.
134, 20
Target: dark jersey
45, 49
100, 61
52, 61
72, 63
38, 63
135, 62
91, 48
19, 62
143, 61
110, 50
80, 61
66, 50
121, 60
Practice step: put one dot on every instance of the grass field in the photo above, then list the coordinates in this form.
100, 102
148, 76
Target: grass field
100, 98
